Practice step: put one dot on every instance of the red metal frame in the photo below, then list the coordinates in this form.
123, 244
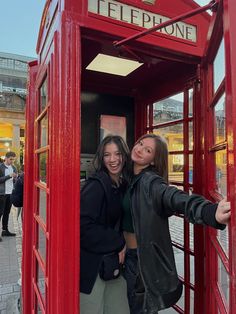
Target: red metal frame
229, 35
66, 27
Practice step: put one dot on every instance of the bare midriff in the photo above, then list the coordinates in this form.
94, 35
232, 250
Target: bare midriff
130, 239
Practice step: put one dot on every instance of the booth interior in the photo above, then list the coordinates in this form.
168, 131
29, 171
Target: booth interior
113, 102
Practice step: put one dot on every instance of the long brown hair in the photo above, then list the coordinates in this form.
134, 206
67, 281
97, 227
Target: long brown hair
98, 160
161, 154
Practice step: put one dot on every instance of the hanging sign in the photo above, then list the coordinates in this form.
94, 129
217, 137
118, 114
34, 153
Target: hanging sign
138, 17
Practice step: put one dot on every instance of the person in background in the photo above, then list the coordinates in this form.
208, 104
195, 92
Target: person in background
100, 233
7, 174
150, 268
17, 193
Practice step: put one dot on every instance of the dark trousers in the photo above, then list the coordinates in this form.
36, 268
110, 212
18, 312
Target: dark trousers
5, 208
135, 288
131, 271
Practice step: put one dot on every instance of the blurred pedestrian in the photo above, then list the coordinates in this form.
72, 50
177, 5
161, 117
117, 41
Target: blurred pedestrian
7, 174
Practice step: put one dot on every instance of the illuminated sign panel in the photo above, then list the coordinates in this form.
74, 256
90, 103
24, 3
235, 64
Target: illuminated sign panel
138, 17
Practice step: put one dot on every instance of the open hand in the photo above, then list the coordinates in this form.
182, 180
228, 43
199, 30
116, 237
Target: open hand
223, 211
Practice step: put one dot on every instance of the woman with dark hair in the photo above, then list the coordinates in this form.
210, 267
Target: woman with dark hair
102, 289
150, 268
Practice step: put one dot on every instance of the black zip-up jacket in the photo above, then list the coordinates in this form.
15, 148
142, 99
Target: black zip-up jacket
152, 202
100, 211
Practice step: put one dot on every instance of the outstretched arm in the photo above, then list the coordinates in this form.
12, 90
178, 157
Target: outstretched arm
223, 212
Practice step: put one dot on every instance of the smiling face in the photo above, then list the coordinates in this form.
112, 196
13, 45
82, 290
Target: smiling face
112, 159
143, 153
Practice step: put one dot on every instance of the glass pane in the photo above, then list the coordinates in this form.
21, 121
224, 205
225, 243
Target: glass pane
168, 109
176, 168
41, 282
223, 238
190, 130
219, 112
43, 167
43, 126
179, 260
190, 173
43, 91
223, 279
190, 103
191, 301
148, 108
42, 243
221, 171
192, 278
219, 66
177, 229
174, 136
180, 303
191, 233
42, 204
38, 309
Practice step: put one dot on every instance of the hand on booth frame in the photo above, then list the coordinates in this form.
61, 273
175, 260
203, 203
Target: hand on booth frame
223, 211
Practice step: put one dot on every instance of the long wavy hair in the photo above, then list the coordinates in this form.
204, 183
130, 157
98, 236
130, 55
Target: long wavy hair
98, 161
160, 162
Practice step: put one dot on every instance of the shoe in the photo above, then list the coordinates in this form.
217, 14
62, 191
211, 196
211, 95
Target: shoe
0, 239
7, 233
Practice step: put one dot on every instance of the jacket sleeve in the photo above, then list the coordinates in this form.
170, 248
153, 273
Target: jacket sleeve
196, 209
96, 236
4, 178
17, 193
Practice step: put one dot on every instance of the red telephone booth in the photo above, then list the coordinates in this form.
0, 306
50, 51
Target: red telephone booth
175, 76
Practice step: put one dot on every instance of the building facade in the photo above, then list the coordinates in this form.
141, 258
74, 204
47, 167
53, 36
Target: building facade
13, 84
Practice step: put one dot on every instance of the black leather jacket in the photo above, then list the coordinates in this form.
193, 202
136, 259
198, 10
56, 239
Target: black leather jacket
152, 202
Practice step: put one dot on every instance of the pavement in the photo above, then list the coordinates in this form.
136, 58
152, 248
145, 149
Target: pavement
10, 266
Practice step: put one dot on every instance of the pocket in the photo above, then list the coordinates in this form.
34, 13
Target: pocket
110, 267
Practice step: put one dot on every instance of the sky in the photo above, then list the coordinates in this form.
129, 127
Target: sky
19, 25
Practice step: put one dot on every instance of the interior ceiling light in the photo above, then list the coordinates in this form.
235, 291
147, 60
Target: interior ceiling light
113, 65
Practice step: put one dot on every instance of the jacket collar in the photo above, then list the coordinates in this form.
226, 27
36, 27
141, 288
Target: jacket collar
137, 177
